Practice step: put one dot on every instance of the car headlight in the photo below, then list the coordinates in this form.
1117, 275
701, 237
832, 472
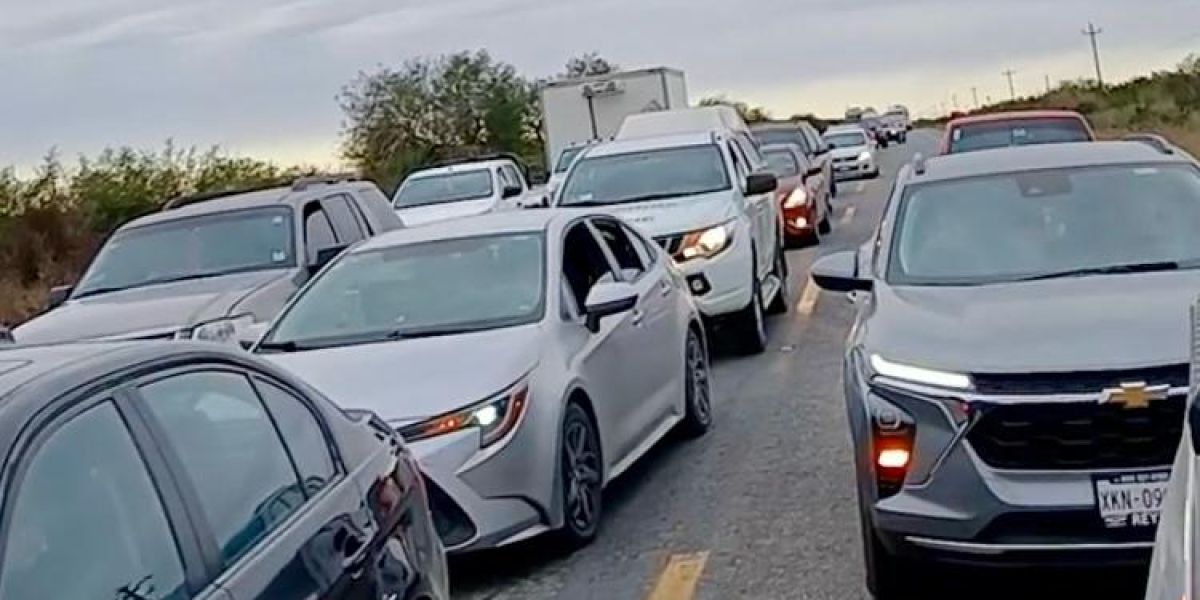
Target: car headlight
706, 243
798, 197
922, 375
225, 330
494, 417
864, 157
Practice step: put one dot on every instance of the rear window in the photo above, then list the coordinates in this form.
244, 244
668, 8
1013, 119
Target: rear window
1022, 132
769, 137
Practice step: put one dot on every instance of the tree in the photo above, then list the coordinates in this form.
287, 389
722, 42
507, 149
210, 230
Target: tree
749, 114
588, 64
436, 108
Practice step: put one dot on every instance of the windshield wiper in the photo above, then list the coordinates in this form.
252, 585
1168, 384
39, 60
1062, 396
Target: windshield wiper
148, 282
1147, 267
428, 332
286, 346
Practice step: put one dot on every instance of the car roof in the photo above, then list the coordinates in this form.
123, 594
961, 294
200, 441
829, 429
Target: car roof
1016, 115
1042, 156
463, 167
775, 126
855, 128
641, 144
507, 221
785, 147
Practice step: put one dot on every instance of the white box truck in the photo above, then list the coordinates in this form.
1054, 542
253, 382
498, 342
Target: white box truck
578, 111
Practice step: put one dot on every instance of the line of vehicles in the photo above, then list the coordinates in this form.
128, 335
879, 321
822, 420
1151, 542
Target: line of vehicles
1016, 381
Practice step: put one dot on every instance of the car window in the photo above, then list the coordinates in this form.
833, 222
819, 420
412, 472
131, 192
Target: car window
776, 136
812, 140
87, 522
739, 161
1017, 132
622, 247
513, 175
318, 232
782, 163
444, 188
584, 263
647, 174
503, 177
750, 150
302, 434
345, 224
566, 158
231, 453
646, 249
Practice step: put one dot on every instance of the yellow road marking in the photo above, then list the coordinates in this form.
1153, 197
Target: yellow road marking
849, 215
808, 298
679, 578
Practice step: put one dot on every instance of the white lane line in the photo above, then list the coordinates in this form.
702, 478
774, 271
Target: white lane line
808, 298
848, 215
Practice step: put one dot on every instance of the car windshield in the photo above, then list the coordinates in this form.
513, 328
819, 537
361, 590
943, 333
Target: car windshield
781, 136
565, 159
430, 288
846, 139
1045, 224
782, 163
1021, 132
646, 175
442, 189
192, 248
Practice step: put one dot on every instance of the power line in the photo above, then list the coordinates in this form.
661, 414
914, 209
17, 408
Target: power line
1012, 88
1092, 31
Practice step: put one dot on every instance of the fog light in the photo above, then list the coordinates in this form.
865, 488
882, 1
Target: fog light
894, 458
698, 284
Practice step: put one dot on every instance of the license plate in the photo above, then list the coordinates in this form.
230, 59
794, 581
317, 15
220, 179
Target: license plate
846, 168
1131, 499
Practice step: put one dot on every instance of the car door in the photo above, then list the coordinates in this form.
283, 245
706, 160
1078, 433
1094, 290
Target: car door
655, 332
348, 226
757, 209
91, 513
281, 519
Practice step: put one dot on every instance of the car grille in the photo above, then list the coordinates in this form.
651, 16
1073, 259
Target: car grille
845, 159
670, 243
1078, 435
452, 524
1085, 382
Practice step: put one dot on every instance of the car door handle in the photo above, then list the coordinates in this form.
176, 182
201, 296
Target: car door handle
665, 287
638, 317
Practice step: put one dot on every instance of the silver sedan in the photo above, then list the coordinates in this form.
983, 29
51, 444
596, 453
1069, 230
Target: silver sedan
528, 358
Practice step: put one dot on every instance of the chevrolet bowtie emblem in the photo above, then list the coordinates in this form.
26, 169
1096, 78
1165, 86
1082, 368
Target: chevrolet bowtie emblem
1134, 395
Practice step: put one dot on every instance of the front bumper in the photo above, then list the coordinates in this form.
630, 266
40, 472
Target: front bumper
851, 170
722, 285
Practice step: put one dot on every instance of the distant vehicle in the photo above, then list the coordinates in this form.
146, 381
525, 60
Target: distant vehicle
896, 125
707, 198
853, 152
1023, 128
685, 121
1020, 357
875, 129
900, 112
212, 267
563, 164
541, 354
589, 109
802, 193
185, 470
812, 148
461, 188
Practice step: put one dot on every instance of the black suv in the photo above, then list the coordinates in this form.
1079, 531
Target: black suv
173, 470
214, 267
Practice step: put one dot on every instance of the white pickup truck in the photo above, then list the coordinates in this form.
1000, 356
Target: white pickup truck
461, 188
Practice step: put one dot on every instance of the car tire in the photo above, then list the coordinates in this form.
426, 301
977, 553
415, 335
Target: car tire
825, 226
888, 576
697, 390
779, 304
581, 482
833, 189
749, 325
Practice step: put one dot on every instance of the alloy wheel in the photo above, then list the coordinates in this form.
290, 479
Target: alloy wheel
698, 382
581, 469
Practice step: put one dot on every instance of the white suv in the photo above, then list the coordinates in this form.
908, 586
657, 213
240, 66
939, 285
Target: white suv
708, 199
461, 188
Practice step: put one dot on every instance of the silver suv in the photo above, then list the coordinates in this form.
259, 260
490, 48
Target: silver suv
212, 267
1017, 375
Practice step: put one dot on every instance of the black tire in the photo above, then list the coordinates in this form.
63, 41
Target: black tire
697, 391
833, 189
825, 226
779, 304
580, 478
749, 325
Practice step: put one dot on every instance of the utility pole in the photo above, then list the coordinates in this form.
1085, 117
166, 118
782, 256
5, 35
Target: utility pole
1092, 31
1012, 88
1047, 84
954, 99
975, 95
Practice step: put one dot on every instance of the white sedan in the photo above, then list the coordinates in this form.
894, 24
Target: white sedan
528, 357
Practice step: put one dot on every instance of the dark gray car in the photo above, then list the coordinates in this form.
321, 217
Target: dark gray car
1017, 374
212, 267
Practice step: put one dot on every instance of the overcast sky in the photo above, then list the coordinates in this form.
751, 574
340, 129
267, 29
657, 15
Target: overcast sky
260, 76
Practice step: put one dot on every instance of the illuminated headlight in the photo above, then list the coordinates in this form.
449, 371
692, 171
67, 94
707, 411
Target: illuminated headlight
922, 375
706, 243
226, 330
864, 157
495, 418
798, 198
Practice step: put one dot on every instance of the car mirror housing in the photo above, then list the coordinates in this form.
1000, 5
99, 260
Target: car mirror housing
59, 295
838, 272
510, 191
607, 299
324, 256
813, 171
761, 183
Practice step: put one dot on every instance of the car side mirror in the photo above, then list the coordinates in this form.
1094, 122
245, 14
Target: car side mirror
325, 256
606, 299
761, 183
813, 171
59, 295
838, 272
510, 191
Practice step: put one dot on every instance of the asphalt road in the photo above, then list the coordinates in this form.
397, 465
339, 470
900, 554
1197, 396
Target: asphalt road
763, 507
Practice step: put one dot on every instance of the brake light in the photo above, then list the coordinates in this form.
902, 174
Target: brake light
893, 433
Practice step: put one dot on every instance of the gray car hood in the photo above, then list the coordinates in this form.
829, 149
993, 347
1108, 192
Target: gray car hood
1073, 324
678, 215
411, 380
144, 311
